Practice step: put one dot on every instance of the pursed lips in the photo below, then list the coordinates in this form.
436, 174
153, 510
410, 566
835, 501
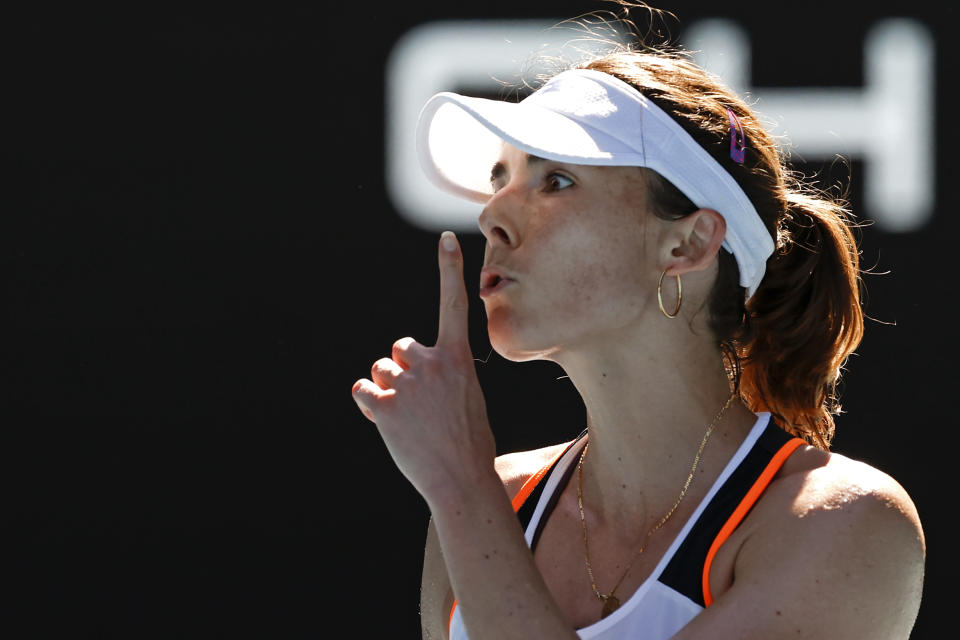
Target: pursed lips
493, 279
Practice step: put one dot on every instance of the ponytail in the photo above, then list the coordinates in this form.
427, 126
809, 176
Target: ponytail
805, 318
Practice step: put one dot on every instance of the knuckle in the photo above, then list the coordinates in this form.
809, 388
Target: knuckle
384, 368
362, 397
403, 343
403, 346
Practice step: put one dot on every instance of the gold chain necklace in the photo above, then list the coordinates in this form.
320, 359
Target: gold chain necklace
610, 602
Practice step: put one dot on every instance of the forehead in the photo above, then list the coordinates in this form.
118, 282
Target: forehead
510, 155
512, 159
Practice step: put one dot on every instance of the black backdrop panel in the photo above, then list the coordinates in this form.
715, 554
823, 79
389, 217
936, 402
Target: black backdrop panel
200, 256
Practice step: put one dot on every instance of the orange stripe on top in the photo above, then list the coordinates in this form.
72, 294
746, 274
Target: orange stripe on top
518, 501
744, 507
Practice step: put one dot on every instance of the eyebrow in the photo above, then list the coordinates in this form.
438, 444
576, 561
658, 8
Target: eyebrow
499, 169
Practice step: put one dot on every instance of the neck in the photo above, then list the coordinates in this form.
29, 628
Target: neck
646, 419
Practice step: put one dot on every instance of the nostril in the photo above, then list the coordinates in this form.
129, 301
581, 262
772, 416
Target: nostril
501, 235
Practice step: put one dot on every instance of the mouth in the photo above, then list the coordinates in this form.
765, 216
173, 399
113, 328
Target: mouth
492, 281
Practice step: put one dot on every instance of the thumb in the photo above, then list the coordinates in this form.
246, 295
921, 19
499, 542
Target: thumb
453, 293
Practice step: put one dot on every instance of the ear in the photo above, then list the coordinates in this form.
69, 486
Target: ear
693, 242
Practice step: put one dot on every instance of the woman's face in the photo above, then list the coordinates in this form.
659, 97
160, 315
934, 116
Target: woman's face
570, 257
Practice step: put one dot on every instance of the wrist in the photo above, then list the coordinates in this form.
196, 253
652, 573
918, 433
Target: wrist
465, 490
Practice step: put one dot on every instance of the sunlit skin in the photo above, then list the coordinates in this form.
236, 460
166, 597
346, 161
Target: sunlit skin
834, 548
583, 255
572, 243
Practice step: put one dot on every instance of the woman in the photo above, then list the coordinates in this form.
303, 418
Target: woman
643, 233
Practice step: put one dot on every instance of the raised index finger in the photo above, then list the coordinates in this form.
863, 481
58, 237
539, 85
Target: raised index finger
453, 293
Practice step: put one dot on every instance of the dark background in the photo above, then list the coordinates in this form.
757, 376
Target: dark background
199, 257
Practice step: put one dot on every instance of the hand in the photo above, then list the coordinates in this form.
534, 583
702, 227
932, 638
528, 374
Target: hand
427, 402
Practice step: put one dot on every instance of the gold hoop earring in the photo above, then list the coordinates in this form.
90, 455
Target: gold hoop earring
660, 296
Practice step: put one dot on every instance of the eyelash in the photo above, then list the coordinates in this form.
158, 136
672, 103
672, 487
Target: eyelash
551, 182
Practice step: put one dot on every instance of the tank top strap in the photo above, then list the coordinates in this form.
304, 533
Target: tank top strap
526, 500
689, 568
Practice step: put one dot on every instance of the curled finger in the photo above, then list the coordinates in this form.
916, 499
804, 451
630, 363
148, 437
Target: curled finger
407, 352
385, 373
369, 397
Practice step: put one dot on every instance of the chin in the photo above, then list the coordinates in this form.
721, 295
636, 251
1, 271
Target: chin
510, 343
519, 356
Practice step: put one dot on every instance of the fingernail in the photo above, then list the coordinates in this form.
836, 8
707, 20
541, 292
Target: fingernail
448, 240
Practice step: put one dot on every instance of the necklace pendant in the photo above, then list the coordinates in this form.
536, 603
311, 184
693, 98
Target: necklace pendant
610, 604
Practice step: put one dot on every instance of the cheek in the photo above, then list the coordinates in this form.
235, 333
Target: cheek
588, 282
586, 272
601, 259
599, 283
600, 287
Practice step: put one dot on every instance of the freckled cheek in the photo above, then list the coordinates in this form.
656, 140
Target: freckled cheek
600, 285
599, 282
588, 260
584, 283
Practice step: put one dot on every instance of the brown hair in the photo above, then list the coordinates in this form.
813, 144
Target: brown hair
785, 348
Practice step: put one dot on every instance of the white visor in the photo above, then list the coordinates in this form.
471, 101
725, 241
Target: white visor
587, 117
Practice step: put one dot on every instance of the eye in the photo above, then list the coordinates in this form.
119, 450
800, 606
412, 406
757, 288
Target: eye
558, 181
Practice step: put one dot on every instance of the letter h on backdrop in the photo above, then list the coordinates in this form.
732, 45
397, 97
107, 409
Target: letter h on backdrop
888, 122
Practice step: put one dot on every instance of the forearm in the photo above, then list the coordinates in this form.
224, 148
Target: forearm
499, 590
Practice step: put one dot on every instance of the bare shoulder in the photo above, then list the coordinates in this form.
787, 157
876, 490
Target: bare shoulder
815, 483
830, 536
517, 467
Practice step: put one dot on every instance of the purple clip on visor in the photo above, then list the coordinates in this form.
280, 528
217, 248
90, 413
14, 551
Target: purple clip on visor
738, 144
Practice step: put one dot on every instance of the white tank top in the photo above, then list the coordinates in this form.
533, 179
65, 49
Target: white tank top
673, 594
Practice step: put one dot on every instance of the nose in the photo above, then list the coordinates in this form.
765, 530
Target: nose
497, 224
